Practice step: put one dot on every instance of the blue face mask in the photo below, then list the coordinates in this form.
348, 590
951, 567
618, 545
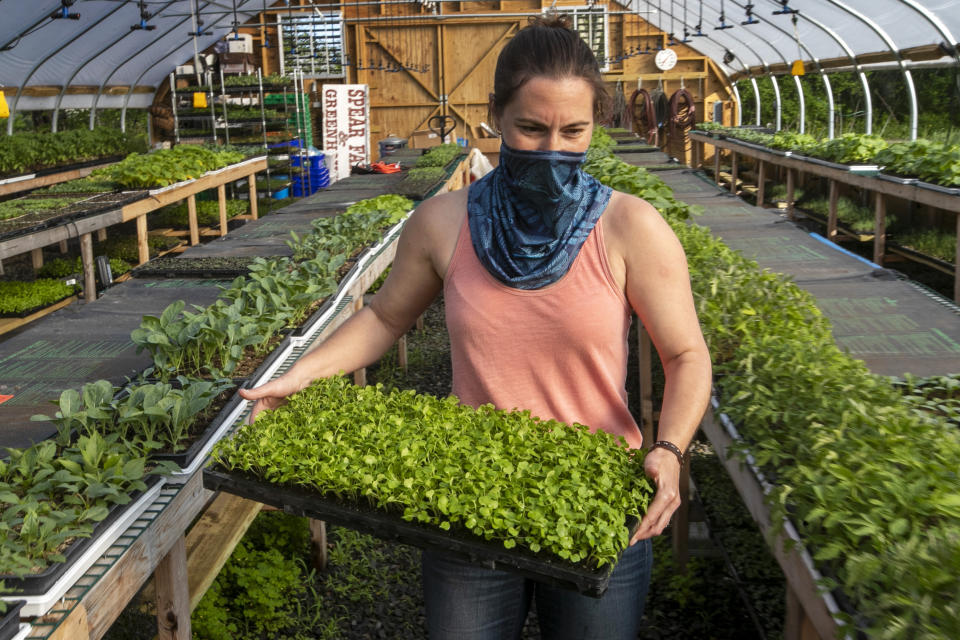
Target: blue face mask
530, 216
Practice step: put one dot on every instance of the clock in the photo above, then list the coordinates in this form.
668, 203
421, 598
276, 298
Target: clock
666, 59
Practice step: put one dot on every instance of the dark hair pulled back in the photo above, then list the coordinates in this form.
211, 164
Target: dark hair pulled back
547, 47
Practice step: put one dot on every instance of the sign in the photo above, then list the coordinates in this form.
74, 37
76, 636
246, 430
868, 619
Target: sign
346, 127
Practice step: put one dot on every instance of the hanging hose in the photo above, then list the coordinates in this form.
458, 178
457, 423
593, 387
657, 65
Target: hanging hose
683, 115
649, 118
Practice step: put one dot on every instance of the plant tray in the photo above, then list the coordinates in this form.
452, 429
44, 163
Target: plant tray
897, 179
33, 310
10, 622
827, 163
182, 267
929, 186
390, 526
204, 441
630, 147
80, 551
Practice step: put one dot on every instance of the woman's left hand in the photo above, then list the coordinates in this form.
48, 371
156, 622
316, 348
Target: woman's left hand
663, 468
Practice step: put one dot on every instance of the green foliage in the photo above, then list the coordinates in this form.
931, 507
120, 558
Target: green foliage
54, 492
17, 297
417, 182
929, 161
145, 417
439, 156
840, 441
856, 216
22, 206
166, 166
791, 141
500, 475
850, 148
255, 592
81, 185
208, 213
931, 242
62, 267
23, 152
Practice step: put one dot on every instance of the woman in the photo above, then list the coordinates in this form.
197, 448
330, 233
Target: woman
540, 267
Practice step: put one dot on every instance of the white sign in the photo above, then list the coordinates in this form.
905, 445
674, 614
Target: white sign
346, 127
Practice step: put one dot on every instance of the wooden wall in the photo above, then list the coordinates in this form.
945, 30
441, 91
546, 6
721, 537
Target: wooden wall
461, 53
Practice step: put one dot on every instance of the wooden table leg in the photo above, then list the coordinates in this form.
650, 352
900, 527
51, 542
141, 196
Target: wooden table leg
646, 385
716, 164
318, 544
402, 352
222, 201
420, 319
790, 189
143, 247
761, 182
75, 627
797, 625
956, 277
63, 246
734, 170
86, 258
102, 234
879, 227
36, 257
832, 214
252, 181
173, 596
192, 220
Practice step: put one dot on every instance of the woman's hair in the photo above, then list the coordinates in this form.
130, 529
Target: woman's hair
547, 47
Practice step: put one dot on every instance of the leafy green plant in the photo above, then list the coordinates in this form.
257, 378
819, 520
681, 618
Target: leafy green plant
22, 152
81, 185
208, 213
850, 148
62, 267
856, 216
929, 161
499, 475
166, 166
439, 156
22, 206
17, 296
931, 242
417, 182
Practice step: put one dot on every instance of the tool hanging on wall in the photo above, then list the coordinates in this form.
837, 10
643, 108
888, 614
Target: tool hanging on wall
797, 68
750, 19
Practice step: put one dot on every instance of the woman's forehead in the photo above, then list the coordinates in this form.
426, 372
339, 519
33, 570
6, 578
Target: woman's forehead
544, 97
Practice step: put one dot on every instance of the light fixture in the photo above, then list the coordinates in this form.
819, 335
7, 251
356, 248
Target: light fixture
784, 8
728, 56
750, 19
63, 13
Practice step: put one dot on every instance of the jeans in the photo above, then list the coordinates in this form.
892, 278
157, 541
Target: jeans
469, 602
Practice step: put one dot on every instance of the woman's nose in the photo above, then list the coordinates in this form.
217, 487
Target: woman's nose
551, 142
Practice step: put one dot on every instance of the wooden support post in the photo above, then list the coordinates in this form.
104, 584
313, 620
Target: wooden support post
733, 172
761, 182
86, 257
252, 181
797, 625
419, 324
646, 385
63, 246
832, 214
790, 190
143, 247
1, 266
360, 375
36, 257
102, 234
716, 164
681, 520
402, 352
879, 227
222, 201
318, 544
192, 220
173, 594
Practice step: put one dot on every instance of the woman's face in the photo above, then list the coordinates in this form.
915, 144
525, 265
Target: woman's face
549, 114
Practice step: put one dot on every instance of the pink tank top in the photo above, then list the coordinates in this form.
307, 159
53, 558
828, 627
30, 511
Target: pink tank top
559, 351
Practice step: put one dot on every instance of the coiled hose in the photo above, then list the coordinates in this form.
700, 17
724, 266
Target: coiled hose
648, 117
683, 115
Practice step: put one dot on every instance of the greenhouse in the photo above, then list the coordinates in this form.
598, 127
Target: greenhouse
480, 318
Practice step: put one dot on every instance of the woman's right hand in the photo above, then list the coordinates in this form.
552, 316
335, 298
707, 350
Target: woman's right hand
271, 395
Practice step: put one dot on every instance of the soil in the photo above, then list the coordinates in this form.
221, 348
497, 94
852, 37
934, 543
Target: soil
86, 207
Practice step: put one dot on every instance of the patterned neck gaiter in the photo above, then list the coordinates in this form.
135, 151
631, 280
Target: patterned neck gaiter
530, 216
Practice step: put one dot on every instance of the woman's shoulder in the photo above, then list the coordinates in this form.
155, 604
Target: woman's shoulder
435, 226
632, 219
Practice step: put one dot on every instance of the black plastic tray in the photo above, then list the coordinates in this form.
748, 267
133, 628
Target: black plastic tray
40, 583
10, 621
929, 186
295, 501
897, 179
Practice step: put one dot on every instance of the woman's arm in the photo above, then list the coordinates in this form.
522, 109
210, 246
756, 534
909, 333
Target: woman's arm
409, 289
658, 288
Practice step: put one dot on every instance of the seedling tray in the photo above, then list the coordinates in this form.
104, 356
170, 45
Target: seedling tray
40, 583
929, 186
33, 310
10, 621
391, 526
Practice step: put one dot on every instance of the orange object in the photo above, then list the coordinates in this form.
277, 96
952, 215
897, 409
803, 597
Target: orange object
5, 398
386, 167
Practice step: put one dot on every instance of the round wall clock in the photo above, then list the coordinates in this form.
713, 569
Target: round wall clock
665, 59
